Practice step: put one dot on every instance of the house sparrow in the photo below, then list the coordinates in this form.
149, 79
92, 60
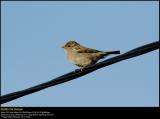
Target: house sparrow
83, 56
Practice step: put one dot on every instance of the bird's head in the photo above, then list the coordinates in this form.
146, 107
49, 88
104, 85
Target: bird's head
70, 44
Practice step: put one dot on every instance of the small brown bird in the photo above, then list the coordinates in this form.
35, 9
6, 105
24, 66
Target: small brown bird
83, 56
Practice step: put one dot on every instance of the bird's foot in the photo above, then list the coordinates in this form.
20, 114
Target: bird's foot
82, 68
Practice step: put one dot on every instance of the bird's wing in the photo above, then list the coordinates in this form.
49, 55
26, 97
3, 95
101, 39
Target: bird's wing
83, 49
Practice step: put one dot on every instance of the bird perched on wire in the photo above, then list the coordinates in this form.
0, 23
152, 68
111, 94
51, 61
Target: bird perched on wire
83, 56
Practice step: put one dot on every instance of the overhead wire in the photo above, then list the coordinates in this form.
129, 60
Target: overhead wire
78, 73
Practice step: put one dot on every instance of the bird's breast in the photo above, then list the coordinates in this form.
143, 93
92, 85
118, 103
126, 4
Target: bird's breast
81, 59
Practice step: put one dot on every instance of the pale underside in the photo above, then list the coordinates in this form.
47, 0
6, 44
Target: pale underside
84, 59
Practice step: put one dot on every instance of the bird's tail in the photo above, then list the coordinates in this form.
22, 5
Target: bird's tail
104, 54
113, 52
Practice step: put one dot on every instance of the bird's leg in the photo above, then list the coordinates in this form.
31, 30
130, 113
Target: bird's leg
82, 68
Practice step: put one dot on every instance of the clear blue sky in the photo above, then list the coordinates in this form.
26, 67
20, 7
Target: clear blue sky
32, 36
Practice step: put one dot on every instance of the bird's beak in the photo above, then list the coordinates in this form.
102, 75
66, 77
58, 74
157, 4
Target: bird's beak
62, 47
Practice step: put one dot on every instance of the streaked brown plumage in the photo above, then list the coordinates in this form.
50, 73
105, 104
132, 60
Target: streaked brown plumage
83, 56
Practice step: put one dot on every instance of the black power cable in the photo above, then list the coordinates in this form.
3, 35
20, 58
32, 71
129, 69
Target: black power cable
72, 75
